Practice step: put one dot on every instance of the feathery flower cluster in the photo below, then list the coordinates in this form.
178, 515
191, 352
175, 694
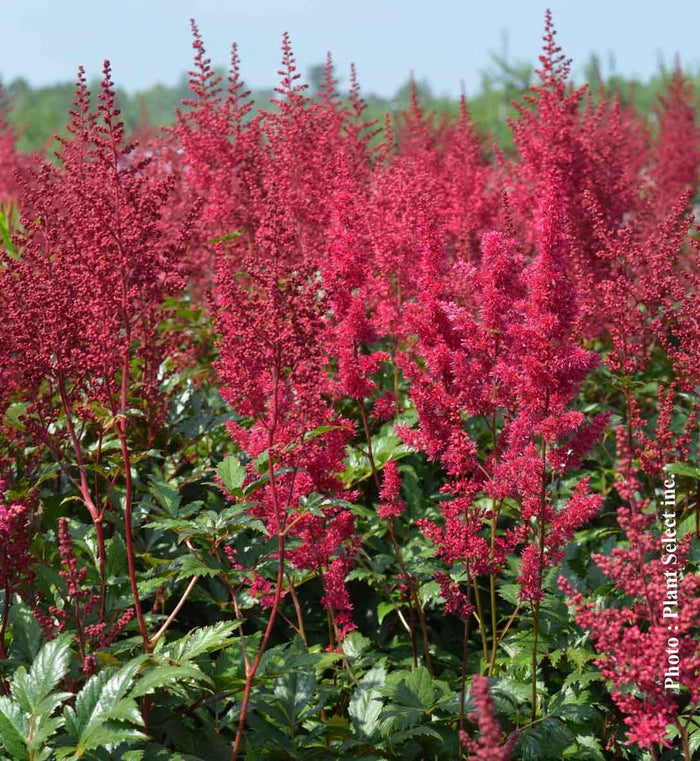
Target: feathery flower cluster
271, 314
80, 606
79, 309
489, 746
15, 540
511, 362
93, 268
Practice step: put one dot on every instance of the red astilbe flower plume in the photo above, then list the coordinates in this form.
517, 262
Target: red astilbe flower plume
506, 359
650, 292
303, 140
407, 221
590, 151
15, 553
675, 297
347, 276
92, 271
272, 314
547, 377
270, 317
676, 153
490, 745
213, 138
79, 611
390, 503
472, 190
229, 152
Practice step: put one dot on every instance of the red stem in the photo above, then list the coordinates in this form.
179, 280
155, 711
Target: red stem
95, 514
279, 521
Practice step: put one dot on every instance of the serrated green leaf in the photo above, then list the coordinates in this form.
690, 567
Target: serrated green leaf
530, 746
167, 497
365, 707
103, 713
232, 474
294, 691
416, 690
26, 632
204, 640
14, 728
192, 566
166, 677
682, 469
354, 645
414, 733
588, 748
49, 667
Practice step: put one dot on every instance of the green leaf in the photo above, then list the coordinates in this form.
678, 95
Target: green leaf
192, 566
134, 755
321, 430
682, 469
588, 748
32, 690
26, 632
232, 474
14, 728
14, 413
383, 610
294, 690
167, 497
9, 221
420, 692
225, 238
103, 713
509, 592
354, 645
414, 733
365, 706
694, 741
116, 557
421, 683
530, 746
204, 640
429, 592
167, 677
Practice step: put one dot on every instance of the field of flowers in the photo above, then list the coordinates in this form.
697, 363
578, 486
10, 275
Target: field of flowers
330, 439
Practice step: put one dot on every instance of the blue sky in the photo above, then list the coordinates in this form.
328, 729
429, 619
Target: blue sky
445, 42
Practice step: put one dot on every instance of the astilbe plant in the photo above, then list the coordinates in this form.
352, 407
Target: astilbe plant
676, 158
212, 141
650, 297
80, 609
506, 361
80, 307
598, 156
271, 308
